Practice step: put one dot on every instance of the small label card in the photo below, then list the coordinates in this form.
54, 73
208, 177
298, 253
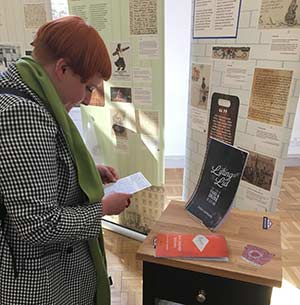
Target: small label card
200, 241
267, 223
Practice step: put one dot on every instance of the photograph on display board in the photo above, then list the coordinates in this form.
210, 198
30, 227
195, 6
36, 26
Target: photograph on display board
232, 53
259, 170
269, 95
118, 118
200, 85
217, 184
59, 8
223, 117
9, 54
120, 94
120, 57
279, 14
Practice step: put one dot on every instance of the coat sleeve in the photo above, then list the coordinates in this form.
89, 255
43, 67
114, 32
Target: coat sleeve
28, 179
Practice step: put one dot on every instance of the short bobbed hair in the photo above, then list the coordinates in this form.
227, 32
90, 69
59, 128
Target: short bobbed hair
77, 42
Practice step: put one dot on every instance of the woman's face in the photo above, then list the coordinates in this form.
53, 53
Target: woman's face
75, 91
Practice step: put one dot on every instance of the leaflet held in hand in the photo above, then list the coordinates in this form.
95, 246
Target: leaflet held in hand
130, 184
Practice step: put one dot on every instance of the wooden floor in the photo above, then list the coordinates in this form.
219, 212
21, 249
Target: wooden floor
127, 273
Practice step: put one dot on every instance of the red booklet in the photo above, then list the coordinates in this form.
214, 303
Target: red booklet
192, 246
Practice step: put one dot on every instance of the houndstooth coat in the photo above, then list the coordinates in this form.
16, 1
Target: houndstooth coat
49, 221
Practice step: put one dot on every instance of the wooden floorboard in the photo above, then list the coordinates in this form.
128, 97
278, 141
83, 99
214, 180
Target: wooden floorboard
127, 271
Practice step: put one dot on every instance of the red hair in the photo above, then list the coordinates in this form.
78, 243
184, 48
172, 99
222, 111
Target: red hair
77, 42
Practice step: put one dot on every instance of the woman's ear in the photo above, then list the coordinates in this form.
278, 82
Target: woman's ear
60, 68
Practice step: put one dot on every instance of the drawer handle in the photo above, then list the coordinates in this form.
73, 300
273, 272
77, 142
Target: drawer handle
201, 297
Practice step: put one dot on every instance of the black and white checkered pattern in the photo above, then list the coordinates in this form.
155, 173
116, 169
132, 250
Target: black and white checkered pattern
49, 221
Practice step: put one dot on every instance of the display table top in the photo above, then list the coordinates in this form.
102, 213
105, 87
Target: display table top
239, 228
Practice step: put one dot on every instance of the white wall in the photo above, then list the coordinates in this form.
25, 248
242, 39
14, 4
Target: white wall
177, 58
294, 148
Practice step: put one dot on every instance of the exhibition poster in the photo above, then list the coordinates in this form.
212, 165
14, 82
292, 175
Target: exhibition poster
217, 186
216, 18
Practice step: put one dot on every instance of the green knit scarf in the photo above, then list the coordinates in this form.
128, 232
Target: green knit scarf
89, 179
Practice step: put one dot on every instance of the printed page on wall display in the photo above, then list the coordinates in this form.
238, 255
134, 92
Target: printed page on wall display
216, 18
269, 96
19, 21
120, 54
125, 123
257, 74
279, 14
238, 74
216, 188
143, 17
36, 13
285, 45
9, 54
200, 84
257, 181
230, 52
97, 13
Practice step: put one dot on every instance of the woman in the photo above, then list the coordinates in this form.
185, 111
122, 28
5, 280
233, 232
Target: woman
51, 245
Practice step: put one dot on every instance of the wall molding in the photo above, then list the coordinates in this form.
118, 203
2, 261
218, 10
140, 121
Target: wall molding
174, 161
293, 160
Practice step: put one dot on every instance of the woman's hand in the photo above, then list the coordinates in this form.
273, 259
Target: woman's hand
108, 174
115, 203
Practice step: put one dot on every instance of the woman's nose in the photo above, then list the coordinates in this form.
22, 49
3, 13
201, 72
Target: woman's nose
87, 98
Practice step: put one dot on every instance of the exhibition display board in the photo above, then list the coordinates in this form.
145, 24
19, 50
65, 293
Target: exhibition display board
244, 90
19, 21
124, 125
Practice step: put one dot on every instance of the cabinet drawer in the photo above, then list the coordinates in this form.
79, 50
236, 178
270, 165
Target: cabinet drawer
184, 287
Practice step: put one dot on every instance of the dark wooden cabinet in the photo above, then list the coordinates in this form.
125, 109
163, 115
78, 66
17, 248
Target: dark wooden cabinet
194, 282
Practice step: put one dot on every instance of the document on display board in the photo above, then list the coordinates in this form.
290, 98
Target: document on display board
130, 184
